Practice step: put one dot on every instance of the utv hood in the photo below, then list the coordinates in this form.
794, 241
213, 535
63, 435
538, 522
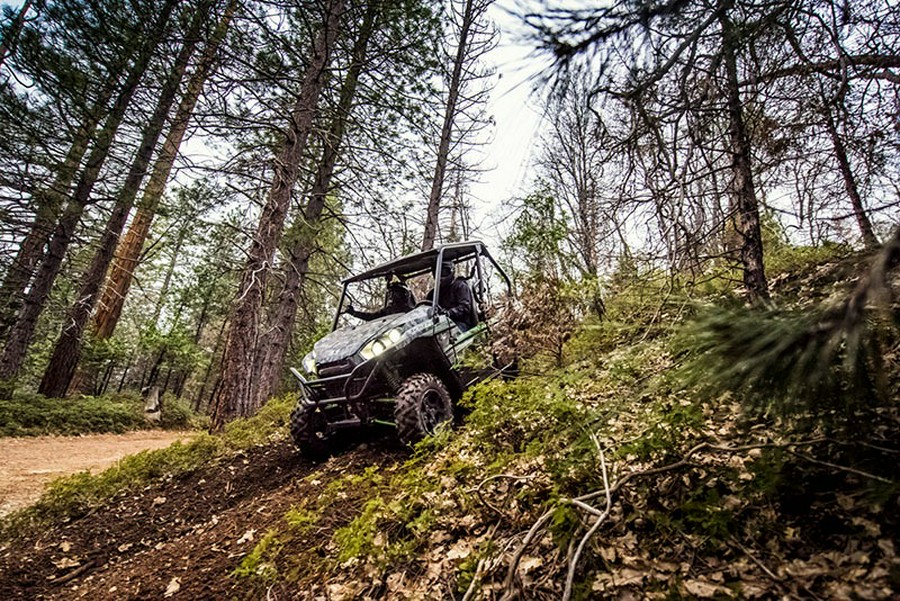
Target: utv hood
346, 342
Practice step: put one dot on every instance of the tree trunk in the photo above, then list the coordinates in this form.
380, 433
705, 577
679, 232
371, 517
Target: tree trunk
170, 273
67, 351
128, 254
743, 193
440, 169
233, 397
22, 332
870, 240
274, 345
198, 400
48, 202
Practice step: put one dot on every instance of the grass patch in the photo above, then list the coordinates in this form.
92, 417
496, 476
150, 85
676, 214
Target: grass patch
36, 415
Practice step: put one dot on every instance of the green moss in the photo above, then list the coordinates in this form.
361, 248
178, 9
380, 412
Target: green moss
301, 519
254, 563
358, 537
794, 259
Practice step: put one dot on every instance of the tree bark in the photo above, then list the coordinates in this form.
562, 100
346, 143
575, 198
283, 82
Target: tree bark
870, 240
440, 169
67, 351
233, 397
21, 334
47, 202
743, 194
274, 345
198, 400
128, 254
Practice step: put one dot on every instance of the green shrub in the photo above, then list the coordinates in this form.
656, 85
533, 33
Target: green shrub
177, 414
36, 415
33, 415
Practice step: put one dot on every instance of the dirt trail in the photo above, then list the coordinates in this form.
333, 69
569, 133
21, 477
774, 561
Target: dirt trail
187, 533
30, 463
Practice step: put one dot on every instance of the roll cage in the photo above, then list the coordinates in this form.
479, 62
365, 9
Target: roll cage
426, 262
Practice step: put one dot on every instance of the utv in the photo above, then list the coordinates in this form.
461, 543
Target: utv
404, 369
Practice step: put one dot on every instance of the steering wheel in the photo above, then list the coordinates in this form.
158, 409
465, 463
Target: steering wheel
424, 302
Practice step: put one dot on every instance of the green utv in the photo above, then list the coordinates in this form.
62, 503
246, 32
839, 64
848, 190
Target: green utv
403, 365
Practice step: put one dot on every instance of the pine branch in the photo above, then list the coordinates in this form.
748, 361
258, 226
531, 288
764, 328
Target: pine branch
828, 358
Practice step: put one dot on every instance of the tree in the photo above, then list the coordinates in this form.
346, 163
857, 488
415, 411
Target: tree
681, 42
577, 163
233, 397
22, 332
11, 34
73, 83
705, 87
274, 345
473, 38
537, 236
129, 252
66, 352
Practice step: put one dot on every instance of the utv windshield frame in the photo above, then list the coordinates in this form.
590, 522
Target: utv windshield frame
422, 263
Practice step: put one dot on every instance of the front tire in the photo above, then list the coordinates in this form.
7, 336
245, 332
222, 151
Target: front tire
309, 430
423, 404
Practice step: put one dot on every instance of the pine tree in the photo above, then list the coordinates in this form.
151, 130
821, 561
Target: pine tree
129, 252
474, 39
11, 33
273, 347
233, 397
21, 334
64, 359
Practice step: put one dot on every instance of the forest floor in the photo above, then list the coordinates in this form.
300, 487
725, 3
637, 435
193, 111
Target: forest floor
607, 478
29, 463
184, 535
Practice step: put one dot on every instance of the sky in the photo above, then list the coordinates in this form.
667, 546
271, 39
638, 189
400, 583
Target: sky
514, 106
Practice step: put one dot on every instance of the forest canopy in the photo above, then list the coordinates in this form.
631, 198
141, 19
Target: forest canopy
184, 184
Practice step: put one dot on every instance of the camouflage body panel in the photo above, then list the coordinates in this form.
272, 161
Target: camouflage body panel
346, 342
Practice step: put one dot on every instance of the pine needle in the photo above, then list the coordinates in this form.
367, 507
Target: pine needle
822, 363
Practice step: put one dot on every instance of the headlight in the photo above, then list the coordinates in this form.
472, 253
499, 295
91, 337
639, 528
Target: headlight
381, 344
309, 363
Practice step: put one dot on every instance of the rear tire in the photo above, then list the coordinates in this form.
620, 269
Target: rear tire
423, 404
310, 433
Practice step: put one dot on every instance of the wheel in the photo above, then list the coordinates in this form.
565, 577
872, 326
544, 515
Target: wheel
423, 403
310, 432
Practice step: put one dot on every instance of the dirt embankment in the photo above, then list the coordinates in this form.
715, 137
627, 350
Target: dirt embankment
30, 463
183, 537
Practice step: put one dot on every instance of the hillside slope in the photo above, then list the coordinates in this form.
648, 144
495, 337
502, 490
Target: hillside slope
186, 533
605, 478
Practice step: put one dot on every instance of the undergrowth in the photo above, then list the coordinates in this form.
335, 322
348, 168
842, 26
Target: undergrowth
526, 445
430, 525
36, 415
712, 491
